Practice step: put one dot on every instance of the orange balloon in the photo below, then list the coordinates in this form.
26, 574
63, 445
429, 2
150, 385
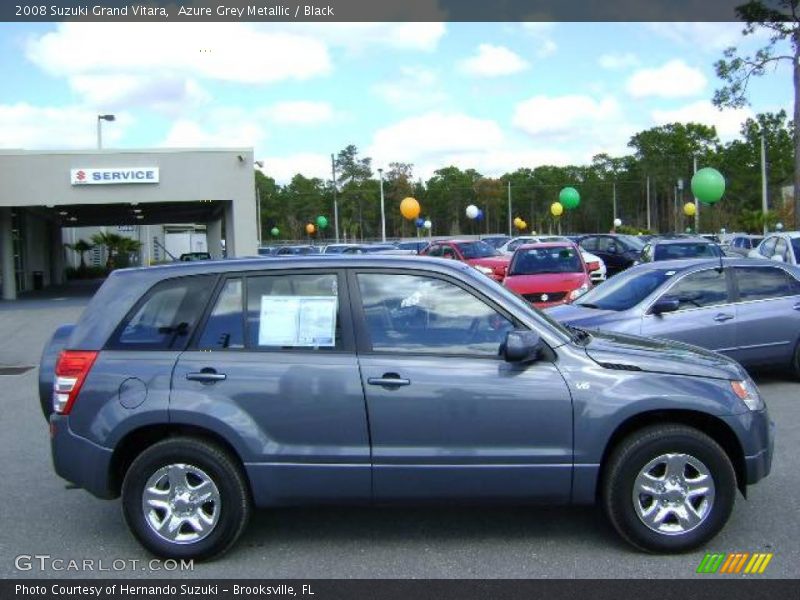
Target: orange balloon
310, 229
409, 208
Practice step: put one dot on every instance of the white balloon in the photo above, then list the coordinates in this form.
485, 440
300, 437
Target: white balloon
617, 222
472, 211
427, 225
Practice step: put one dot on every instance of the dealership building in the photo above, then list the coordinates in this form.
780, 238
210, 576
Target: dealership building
52, 198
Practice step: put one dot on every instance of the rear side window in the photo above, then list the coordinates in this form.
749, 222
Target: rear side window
762, 283
164, 320
589, 244
294, 312
225, 325
768, 248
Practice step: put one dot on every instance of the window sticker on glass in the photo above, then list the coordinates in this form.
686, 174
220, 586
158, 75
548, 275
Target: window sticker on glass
299, 321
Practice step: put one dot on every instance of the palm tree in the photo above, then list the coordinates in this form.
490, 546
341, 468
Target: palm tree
111, 242
125, 248
81, 247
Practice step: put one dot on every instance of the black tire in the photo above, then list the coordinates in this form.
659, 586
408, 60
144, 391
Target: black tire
221, 468
634, 453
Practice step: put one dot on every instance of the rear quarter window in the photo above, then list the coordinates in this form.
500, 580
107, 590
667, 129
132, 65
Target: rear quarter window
166, 316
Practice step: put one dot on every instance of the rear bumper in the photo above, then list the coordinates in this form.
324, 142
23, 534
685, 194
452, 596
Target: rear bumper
79, 460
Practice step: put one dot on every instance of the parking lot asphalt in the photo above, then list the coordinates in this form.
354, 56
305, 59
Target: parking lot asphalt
40, 516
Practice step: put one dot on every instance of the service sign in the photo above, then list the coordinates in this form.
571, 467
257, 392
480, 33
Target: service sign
113, 175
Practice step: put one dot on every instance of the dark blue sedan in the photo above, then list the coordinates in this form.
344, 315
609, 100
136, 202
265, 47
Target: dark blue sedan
747, 309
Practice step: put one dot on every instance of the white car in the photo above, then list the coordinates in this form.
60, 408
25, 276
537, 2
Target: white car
597, 276
782, 247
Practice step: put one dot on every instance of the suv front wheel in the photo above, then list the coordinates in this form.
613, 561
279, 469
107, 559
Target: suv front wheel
668, 488
185, 498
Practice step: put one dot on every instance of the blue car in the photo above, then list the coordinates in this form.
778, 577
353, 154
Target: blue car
746, 309
200, 391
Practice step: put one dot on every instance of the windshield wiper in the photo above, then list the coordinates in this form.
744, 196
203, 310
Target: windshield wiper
579, 335
586, 305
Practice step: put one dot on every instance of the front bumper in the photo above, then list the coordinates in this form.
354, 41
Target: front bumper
79, 460
756, 433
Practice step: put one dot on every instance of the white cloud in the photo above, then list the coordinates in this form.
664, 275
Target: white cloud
223, 127
283, 168
674, 79
493, 61
415, 88
614, 61
706, 37
433, 134
300, 112
558, 116
231, 51
727, 122
44, 127
166, 94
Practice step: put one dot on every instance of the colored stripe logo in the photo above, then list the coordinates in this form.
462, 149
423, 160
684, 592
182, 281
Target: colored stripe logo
735, 563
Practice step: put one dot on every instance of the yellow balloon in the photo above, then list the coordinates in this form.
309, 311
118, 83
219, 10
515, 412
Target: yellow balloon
517, 221
521, 224
689, 209
409, 208
556, 209
310, 229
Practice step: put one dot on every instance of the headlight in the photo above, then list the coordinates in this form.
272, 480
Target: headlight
484, 270
575, 294
747, 393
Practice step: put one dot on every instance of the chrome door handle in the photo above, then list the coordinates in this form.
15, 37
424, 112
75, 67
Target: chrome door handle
722, 317
389, 379
206, 376
796, 306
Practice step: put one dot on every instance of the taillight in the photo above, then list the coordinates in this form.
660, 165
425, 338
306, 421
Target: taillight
71, 370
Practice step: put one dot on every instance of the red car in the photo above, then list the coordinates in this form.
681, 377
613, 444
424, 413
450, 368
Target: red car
479, 254
548, 273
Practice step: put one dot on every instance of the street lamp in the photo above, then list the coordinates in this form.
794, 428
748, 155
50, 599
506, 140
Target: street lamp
383, 211
101, 118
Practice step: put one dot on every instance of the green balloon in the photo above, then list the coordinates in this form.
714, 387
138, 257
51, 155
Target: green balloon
275, 232
708, 185
322, 222
569, 198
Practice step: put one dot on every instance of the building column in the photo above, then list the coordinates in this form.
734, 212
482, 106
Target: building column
241, 228
56, 255
7, 255
214, 238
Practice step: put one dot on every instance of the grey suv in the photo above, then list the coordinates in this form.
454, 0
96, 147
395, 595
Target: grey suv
200, 390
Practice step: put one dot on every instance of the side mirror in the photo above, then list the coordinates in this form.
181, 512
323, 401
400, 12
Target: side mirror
665, 305
612, 249
521, 347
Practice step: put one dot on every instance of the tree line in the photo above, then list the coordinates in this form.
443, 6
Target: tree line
661, 162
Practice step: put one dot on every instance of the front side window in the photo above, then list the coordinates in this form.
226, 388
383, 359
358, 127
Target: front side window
768, 247
762, 283
701, 289
589, 244
782, 249
435, 250
164, 321
298, 311
425, 315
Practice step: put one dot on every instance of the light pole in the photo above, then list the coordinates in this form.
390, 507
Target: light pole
383, 210
101, 118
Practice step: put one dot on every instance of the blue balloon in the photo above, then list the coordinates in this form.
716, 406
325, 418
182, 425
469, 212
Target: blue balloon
480, 215
420, 222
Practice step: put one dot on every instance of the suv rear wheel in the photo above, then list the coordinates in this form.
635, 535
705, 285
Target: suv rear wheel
185, 498
668, 488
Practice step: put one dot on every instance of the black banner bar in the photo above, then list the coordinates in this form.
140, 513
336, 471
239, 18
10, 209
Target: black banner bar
711, 588
372, 10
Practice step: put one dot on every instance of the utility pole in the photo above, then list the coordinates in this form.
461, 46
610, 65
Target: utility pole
335, 200
696, 201
614, 201
258, 213
383, 210
764, 202
648, 204
510, 230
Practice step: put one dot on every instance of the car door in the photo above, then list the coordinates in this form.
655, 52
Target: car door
705, 317
448, 418
767, 315
274, 372
611, 252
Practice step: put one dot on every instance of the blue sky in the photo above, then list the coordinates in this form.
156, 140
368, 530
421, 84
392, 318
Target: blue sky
493, 97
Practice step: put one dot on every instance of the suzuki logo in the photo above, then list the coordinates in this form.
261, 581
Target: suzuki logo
80, 175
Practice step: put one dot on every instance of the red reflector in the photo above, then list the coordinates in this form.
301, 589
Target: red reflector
73, 366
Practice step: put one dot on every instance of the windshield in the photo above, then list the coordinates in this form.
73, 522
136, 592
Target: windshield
632, 241
626, 290
496, 242
686, 250
477, 250
537, 261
